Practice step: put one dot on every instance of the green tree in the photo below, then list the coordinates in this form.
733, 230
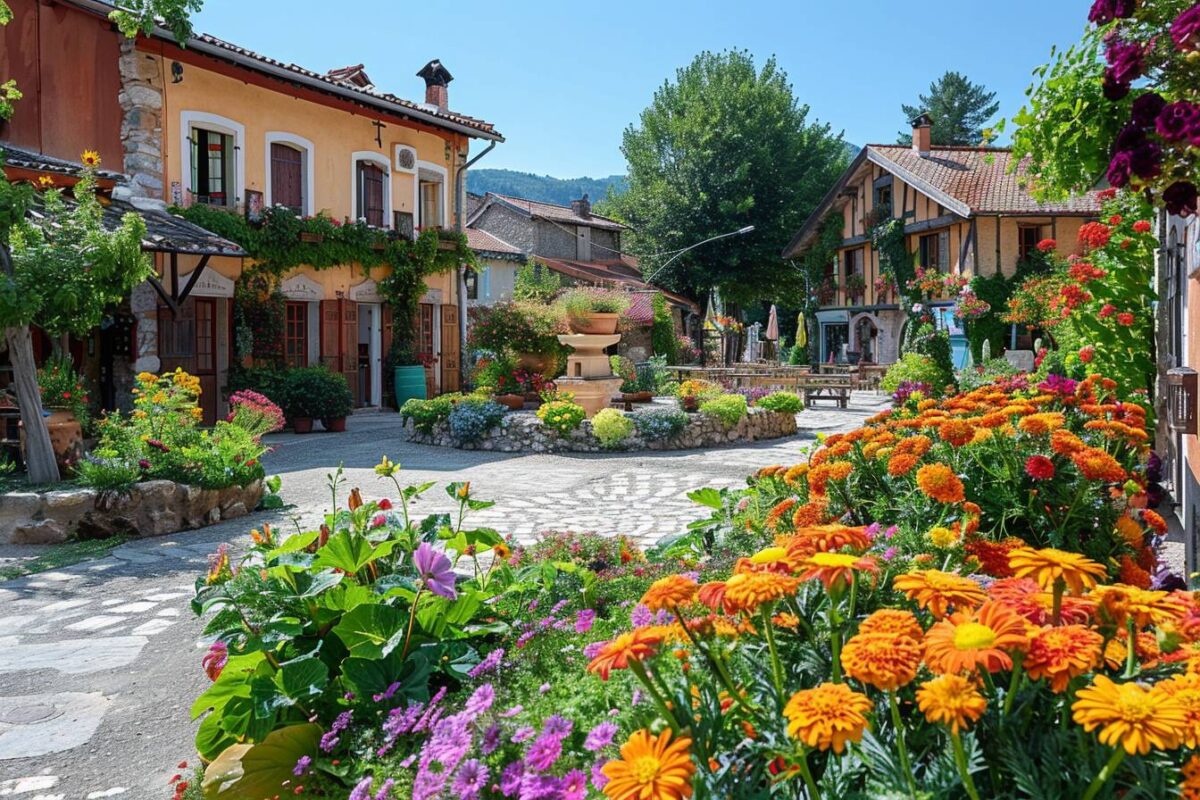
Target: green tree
723, 146
536, 282
959, 109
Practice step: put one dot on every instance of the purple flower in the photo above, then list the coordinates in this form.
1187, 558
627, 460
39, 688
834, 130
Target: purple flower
471, 778
491, 739
434, 569
523, 733
599, 779
1057, 384
1105, 11
1185, 30
544, 752
329, 741
640, 616
1113, 91
362, 791
584, 620
1146, 161
1180, 198
592, 649
512, 712
388, 693
1145, 109
557, 726
539, 787
573, 786
1119, 169
490, 662
385, 791
1125, 61
889, 554
481, 700
600, 737
544, 688
510, 778
302, 766
1177, 121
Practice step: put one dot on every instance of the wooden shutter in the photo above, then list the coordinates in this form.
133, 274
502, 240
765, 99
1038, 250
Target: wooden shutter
450, 348
331, 332
943, 264
286, 177
350, 348
385, 338
370, 193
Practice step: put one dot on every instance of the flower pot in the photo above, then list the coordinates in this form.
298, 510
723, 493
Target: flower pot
302, 424
643, 397
409, 383
334, 424
596, 324
66, 437
513, 402
534, 362
314, 238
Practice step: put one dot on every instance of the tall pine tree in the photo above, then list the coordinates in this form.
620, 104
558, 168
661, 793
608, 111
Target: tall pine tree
960, 110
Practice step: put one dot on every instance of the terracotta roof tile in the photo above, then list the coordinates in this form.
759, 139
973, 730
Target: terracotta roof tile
483, 242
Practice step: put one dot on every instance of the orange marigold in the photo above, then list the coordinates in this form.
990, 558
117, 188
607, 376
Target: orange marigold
1042, 423
969, 640
746, 591
636, 645
778, 512
1048, 565
993, 556
1096, 465
1061, 653
939, 591
956, 432
811, 513
827, 716
670, 592
1133, 574
940, 483
901, 464
951, 700
1130, 530
895, 622
651, 768
1065, 443
915, 445
825, 538
1186, 689
1190, 788
882, 660
1130, 716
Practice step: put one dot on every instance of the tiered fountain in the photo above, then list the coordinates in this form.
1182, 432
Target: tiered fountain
589, 374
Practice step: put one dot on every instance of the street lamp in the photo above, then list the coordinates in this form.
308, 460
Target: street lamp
738, 232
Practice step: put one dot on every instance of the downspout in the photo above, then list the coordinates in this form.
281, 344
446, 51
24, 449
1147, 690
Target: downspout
460, 188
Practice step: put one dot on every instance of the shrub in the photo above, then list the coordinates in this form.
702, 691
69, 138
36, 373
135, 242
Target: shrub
914, 368
972, 378
729, 408
698, 388
108, 474
934, 344
661, 423
426, 414
470, 419
782, 402
521, 327
611, 427
562, 416
317, 392
626, 370
270, 382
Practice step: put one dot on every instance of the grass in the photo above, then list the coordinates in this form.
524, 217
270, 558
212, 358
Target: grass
62, 555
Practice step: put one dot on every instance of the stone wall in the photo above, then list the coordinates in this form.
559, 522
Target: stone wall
523, 432
508, 226
151, 508
556, 241
141, 100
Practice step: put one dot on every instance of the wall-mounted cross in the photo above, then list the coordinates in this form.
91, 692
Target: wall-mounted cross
378, 132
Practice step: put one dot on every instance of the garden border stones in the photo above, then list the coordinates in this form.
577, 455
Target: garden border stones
523, 432
150, 508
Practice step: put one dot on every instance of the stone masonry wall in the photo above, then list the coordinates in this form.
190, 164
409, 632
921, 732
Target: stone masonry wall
141, 100
523, 432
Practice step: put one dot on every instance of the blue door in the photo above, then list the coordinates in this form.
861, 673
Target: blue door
959, 350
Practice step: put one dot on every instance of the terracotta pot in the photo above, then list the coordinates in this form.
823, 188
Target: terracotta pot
595, 324
334, 424
534, 362
66, 436
513, 402
643, 397
302, 424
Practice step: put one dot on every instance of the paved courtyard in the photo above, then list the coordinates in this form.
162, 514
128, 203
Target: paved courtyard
99, 662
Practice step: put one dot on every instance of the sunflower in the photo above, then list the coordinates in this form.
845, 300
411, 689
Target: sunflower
883, 660
1047, 566
746, 591
938, 591
635, 645
827, 716
1186, 689
967, 641
895, 622
836, 569
90, 158
1062, 653
940, 483
951, 700
651, 768
669, 592
1130, 716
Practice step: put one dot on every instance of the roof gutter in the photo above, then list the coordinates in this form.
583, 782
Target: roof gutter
460, 189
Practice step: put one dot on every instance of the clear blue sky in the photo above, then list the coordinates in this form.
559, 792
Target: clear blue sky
562, 80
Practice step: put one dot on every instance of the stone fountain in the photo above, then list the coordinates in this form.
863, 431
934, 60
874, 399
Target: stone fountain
589, 374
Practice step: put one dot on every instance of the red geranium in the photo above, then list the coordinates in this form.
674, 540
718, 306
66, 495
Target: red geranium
1046, 245
1115, 219
1087, 353
1107, 310
1106, 194
1093, 235
1141, 226
1125, 318
1039, 468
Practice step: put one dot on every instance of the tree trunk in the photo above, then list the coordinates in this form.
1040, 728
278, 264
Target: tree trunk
39, 455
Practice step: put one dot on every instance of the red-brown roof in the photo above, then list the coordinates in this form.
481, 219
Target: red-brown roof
555, 213
980, 179
483, 242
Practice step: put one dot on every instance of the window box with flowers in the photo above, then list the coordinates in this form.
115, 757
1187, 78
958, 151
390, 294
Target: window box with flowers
856, 287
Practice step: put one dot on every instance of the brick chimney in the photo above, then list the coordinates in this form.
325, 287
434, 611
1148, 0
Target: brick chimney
921, 127
437, 78
582, 207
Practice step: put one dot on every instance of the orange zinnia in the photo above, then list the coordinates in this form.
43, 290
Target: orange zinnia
938, 591
1045, 422
1129, 716
836, 569
1097, 465
636, 645
1117, 602
893, 621
956, 432
1047, 566
669, 592
940, 483
746, 591
951, 700
967, 641
882, 660
825, 538
1062, 653
651, 768
1186, 689
828, 716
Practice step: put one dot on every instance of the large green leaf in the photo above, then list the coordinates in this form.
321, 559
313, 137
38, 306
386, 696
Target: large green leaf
440, 617
303, 677
250, 772
211, 738
233, 682
369, 630
346, 551
707, 496
367, 677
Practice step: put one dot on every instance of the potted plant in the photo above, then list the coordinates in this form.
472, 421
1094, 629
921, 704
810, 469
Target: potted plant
312, 393
502, 376
593, 311
625, 369
336, 402
856, 286
65, 400
692, 392
527, 330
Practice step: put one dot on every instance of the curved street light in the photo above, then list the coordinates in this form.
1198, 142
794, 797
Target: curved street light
738, 232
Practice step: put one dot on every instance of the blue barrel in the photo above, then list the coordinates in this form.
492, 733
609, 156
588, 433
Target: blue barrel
409, 382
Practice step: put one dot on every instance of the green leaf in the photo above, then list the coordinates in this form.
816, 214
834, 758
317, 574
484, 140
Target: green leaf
211, 738
347, 596
233, 682
368, 629
346, 551
708, 497
303, 677
320, 582
299, 541
260, 770
367, 677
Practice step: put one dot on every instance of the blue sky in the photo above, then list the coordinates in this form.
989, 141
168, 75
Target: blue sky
562, 80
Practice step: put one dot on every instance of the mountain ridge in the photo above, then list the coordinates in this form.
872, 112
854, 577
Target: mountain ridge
543, 188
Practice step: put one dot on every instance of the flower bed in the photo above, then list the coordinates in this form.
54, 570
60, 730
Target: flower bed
521, 432
884, 619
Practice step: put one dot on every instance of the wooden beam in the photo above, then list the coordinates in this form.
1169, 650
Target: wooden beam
195, 276
944, 221
175, 277
162, 293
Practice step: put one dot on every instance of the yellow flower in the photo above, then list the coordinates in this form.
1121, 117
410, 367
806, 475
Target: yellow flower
45, 181
942, 537
651, 768
828, 716
937, 590
90, 158
1048, 565
1130, 716
386, 468
951, 700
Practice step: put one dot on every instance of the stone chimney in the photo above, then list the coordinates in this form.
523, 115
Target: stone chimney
582, 207
921, 127
437, 78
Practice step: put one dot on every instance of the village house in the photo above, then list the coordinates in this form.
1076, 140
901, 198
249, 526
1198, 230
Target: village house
964, 213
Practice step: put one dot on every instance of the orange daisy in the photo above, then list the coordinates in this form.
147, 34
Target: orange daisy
1062, 653
827, 716
636, 645
836, 570
938, 591
957, 432
1186, 689
1129, 716
670, 592
651, 768
967, 641
1097, 465
882, 660
940, 483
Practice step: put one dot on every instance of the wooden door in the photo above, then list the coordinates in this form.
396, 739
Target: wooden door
295, 334
450, 348
287, 175
339, 340
187, 340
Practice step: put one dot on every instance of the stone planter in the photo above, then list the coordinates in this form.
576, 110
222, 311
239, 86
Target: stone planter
149, 508
513, 402
595, 323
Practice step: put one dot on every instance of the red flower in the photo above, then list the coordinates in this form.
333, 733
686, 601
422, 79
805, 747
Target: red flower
1107, 310
66, 395
1106, 194
1046, 245
1115, 219
1039, 468
1093, 235
1125, 318
1083, 271
385, 504
1074, 295
1087, 353
1141, 226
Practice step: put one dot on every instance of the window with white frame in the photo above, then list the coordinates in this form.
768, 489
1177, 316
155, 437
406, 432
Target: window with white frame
372, 189
213, 164
289, 165
431, 196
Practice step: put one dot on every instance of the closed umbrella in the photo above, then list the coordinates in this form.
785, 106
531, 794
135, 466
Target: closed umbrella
801, 331
772, 331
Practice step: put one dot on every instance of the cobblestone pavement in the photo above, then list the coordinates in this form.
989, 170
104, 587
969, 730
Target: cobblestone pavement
99, 661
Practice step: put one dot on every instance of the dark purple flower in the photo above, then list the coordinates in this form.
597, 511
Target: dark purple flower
1119, 169
1185, 30
1146, 161
539, 787
1177, 121
1105, 11
434, 569
1126, 61
556, 725
302, 765
1180, 198
471, 778
544, 752
1131, 137
1154, 467
1113, 90
491, 739
1167, 581
1146, 107
510, 778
